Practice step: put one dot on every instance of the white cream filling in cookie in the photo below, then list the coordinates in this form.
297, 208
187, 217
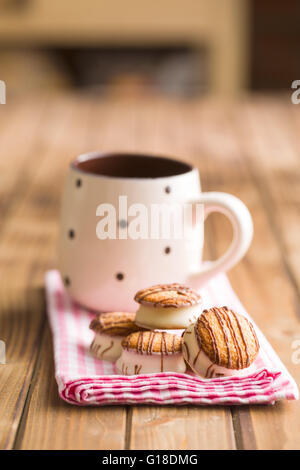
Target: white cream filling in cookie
132, 363
107, 347
200, 362
168, 317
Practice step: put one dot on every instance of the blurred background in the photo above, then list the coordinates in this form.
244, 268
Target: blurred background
136, 47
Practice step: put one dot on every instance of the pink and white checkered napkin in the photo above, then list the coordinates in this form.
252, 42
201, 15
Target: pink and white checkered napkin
84, 380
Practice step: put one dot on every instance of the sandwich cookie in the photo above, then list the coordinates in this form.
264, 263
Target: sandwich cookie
110, 330
147, 352
220, 343
167, 307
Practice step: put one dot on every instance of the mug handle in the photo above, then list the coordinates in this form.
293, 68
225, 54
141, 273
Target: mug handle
242, 225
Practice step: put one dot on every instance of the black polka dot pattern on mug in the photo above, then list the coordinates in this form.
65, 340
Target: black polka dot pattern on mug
167, 189
120, 276
167, 250
78, 182
71, 233
67, 281
123, 223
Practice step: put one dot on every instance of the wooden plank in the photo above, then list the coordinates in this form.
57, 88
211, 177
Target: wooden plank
38, 215
50, 423
272, 147
19, 128
181, 428
21, 323
21, 319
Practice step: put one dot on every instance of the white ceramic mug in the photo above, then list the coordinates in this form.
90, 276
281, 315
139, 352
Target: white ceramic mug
105, 274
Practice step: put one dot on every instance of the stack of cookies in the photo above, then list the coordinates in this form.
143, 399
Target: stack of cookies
214, 343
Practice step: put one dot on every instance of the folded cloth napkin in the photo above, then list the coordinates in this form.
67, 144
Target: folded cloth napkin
85, 380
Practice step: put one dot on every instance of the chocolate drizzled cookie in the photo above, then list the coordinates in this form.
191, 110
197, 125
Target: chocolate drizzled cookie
153, 342
114, 323
146, 352
168, 295
227, 338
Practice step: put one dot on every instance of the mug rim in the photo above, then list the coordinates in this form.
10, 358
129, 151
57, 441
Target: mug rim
96, 155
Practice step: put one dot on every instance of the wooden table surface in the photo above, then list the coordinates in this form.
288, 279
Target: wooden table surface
250, 148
